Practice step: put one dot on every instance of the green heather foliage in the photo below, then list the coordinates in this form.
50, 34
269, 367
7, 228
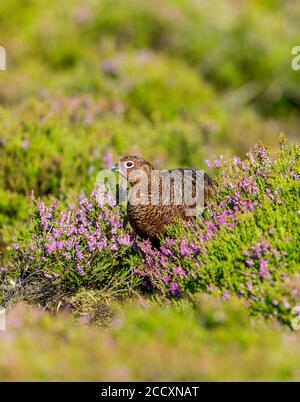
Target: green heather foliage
246, 243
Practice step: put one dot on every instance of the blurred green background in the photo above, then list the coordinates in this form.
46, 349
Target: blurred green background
178, 81
213, 341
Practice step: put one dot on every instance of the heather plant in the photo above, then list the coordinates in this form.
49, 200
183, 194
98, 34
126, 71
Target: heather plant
245, 242
84, 246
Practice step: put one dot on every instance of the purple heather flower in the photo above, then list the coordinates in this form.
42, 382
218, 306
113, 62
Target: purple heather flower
217, 164
294, 293
25, 145
79, 255
286, 304
250, 157
80, 270
178, 271
264, 272
108, 159
59, 245
211, 287
263, 263
236, 160
68, 256
295, 176
124, 239
51, 247
166, 278
108, 67
225, 295
119, 108
165, 251
113, 247
174, 289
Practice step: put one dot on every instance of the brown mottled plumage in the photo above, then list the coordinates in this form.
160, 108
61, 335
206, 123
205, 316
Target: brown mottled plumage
150, 221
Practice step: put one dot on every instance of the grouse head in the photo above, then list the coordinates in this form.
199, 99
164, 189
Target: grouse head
133, 168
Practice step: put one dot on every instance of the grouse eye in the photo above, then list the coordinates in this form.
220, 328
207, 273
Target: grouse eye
129, 164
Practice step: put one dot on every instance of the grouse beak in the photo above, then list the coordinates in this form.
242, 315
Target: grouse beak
115, 169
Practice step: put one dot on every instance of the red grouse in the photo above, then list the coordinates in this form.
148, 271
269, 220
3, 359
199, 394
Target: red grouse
158, 198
